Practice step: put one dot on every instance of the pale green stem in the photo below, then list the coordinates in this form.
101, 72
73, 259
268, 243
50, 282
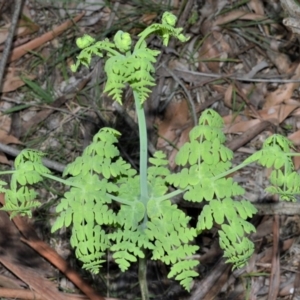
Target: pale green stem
144, 34
143, 149
143, 277
7, 172
120, 200
144, 196
170, 195
111, 51
69, 183
293, 154
65, 182
238, 167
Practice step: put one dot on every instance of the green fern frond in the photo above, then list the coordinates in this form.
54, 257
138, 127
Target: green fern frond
278, 140
28, 155
134, 69
129, 188
27, 176
292, 181
181, 266
123, 41
236, 246
124, 259
143, 59
101, 149
79, 204
211, 118
183, 272
90, 243
169, 227
31, 160
20, 201
87, 52
2, 188
205, 219
159, 159
274, 156
129, 243
108, 135
99, 157
276, 153
130, 216
288, 181
238, 252
170, 232
115, 69
165, 31
157, 208
245, 209
184, 178
206, 147
105, 215
141, 89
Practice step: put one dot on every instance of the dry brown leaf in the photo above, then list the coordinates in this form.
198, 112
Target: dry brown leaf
237, 15
239, 127
278, 112
257, 6
296, 161
5, 126
148, 18
229, 119
25, 27
213, 47
4, 160
284, 92
295, 138
221, 89
5, 122
286, 245
174, 128
176, 117
12, 81
228, 96
280, 60
6, 138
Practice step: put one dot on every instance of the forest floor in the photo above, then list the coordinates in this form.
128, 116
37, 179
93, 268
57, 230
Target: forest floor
240, 60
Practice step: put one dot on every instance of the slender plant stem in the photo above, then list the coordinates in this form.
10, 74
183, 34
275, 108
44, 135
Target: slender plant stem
143, 187
63, 181
143, 148
236, 168
70, 183
170, 195
143, 277
7, 172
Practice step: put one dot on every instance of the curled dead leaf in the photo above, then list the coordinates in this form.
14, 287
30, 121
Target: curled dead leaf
13, 81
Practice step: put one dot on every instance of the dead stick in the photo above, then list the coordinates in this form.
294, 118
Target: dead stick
22, 50
8, 42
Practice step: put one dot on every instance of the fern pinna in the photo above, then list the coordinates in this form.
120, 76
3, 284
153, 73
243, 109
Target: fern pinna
112, 207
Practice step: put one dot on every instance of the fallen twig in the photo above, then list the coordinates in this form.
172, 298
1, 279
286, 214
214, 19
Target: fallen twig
22, 50
8, 42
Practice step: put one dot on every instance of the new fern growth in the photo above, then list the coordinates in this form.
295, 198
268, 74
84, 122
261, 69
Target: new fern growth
145, 219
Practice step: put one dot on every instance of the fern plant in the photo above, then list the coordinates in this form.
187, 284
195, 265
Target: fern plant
145, 219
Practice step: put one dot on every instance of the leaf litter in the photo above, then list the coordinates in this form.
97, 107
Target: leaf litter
240, 60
